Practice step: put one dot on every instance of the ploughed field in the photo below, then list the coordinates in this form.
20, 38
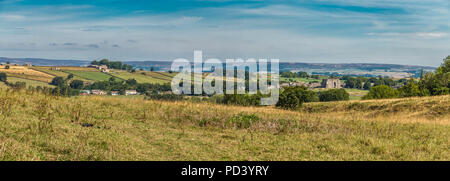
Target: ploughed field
39, 127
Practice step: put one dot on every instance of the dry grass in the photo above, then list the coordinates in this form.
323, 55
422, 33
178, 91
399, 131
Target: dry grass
38, 127
27, 73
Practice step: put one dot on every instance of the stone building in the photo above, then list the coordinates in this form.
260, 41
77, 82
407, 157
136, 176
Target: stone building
331, 83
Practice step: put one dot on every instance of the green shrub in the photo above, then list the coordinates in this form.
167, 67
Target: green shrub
381, 92
334, 95
3, 77
294, 97
243, 120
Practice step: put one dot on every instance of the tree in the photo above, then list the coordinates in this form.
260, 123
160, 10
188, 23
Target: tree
412, 89
112, 79
152, 69
381, 92
3, 77
76, 84
367, 85
334, 95
7, 66
57, 81
94, 62
70, 76
439, 82
131, 82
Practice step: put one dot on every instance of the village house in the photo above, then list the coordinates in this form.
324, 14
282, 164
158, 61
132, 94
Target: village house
85, 92
130, 92
98, 92
55, 68
102, 67
27, 64
115, 93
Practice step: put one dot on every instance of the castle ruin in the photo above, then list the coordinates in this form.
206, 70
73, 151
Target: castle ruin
331, 83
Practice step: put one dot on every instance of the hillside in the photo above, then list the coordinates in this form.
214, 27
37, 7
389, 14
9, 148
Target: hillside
38, 127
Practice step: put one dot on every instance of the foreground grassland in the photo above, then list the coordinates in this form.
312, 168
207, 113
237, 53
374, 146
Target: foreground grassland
38, 127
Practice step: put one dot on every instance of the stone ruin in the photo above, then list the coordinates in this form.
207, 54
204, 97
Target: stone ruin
331, 83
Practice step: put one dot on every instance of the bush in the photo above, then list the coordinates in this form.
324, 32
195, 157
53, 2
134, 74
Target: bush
3, 77
242, 120
381, 92
294, 97
77, 84
242, 99
334, 95
57, 81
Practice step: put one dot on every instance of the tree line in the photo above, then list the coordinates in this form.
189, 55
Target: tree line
429, 84
113, 64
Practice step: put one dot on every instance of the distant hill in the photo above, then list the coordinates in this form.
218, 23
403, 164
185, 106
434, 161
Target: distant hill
364, 69
44, 62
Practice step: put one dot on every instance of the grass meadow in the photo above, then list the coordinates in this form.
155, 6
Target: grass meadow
35, 126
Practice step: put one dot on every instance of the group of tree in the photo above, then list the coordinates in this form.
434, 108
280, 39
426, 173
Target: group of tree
294, 97
366, 83
113, 64
295, 74
430, 84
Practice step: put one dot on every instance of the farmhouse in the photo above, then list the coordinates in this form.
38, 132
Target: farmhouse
98, 92
55, 68
130, 92
115, 93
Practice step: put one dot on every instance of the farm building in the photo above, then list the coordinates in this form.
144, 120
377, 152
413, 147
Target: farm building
55, 68
98, 92
115, 93
130, 92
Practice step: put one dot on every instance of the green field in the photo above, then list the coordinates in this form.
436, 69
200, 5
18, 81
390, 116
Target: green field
58, 73
29, 82
90, 75
356, 94
139, 77
306, 80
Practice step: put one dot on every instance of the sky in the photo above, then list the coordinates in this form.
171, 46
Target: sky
414, 32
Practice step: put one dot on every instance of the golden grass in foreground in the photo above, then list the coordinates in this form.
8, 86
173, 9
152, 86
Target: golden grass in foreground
38, 127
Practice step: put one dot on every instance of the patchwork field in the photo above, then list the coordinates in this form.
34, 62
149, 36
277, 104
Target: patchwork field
89, 75
38, 127
27, 73
58, 73
139, 77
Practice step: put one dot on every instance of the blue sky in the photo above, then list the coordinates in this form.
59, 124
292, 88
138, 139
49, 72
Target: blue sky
327, 31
